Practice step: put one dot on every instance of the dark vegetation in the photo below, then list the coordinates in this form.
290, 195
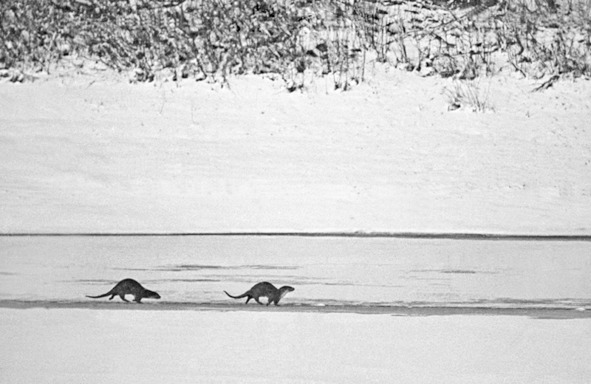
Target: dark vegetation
297, 39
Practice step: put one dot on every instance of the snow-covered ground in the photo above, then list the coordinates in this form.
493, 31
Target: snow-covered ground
91, 154
89, 346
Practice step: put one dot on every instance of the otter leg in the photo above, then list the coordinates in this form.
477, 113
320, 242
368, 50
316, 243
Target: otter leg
257, 300
113, 295
122, 296
138, 300
248, 299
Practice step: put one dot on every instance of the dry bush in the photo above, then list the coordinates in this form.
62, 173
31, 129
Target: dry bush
191, 38
535, 37
299, 39
467, 94
549, 40
34, 34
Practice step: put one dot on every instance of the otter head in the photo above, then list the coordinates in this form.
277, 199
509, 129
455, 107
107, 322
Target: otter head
151, 295
285, 289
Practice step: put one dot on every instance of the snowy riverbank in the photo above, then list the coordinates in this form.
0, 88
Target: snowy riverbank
85, 154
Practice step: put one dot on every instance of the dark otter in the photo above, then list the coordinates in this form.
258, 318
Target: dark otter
265, 289
129, 287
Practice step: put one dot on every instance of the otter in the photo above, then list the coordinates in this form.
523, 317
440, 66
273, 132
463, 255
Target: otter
265, 289
129, 287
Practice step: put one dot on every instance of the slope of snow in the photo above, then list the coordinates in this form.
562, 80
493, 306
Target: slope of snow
81, 154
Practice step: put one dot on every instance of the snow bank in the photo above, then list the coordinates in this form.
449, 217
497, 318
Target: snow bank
92, 346
86, 155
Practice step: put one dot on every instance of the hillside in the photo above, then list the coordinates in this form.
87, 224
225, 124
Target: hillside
94, 153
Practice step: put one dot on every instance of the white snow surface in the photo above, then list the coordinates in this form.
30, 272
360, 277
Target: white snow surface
96, 154
89, 346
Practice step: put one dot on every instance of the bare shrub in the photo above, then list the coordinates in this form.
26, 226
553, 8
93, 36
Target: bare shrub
543, 39
299, 39
467, 94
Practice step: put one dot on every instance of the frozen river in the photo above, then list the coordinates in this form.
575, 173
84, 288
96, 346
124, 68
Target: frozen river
323, 270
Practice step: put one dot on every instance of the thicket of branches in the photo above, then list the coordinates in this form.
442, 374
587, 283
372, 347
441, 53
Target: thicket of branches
217, 38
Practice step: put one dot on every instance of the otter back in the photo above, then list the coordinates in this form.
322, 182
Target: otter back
264, 289
129, 287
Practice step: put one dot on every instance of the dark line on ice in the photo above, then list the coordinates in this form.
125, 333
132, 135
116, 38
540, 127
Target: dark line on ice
401, 310
402, 235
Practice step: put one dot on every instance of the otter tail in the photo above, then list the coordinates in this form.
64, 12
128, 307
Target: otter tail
237, 297
98, 297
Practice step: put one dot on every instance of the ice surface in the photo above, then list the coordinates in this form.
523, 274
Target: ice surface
345, 271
